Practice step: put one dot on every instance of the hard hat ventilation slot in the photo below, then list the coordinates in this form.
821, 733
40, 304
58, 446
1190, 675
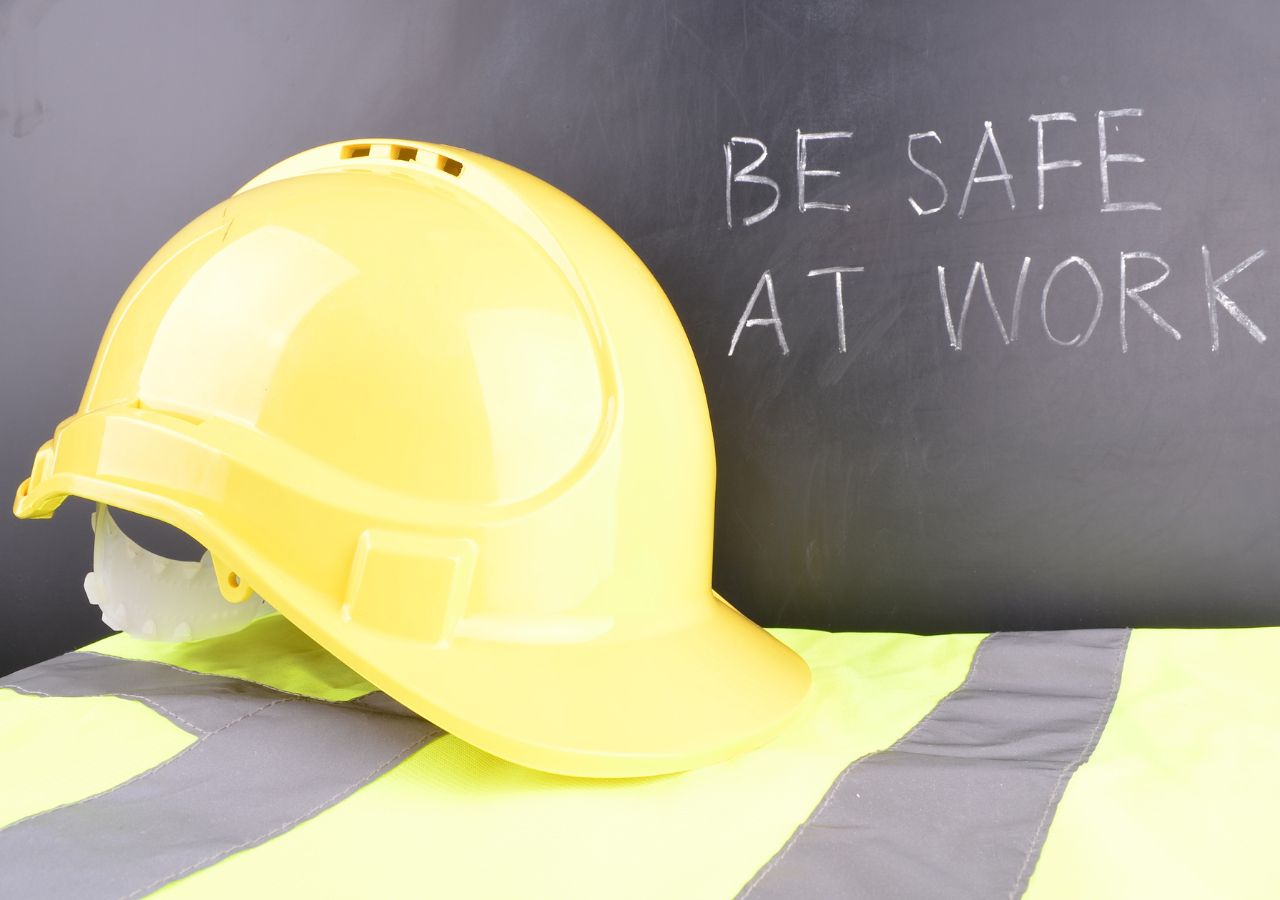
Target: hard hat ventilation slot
402, 153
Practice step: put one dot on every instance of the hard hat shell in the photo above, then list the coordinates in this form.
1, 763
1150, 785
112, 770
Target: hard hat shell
441, 417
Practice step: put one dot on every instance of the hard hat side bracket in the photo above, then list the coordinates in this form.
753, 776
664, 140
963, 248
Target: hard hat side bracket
410, 585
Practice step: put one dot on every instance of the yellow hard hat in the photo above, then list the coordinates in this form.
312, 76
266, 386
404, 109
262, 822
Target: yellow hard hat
441, 417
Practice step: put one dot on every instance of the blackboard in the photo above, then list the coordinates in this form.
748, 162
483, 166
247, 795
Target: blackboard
921, 479
887, 458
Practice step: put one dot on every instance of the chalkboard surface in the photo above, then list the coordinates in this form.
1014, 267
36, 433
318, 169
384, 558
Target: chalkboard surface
986, 296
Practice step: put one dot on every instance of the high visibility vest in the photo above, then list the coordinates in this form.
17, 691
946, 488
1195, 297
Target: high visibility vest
1052, 764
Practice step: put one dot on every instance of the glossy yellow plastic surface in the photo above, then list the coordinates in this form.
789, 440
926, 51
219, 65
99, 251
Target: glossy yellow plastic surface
440, 416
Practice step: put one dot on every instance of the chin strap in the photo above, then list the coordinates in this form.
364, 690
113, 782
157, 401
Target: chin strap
159, 599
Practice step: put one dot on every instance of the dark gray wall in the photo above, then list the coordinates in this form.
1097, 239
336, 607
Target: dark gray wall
899, 485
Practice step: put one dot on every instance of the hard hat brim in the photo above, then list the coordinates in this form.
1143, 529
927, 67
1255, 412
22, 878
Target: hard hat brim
620, 703
667, 702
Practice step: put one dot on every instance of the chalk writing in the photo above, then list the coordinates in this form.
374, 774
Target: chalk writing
764, 284
1071, 283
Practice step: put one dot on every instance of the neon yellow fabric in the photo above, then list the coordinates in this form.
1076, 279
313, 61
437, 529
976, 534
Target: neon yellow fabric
453, 821
1182, 795
282, 657
60, 749
1178, 800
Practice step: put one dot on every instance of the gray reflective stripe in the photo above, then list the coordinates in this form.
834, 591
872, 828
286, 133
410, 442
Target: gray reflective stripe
959, 807
263, 762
